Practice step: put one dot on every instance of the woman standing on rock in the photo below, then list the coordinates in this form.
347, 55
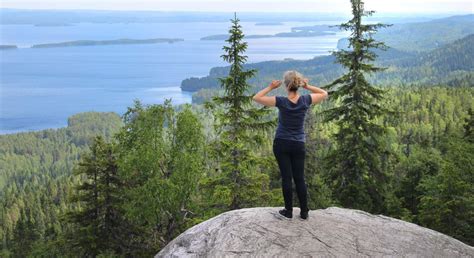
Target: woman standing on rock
289, 142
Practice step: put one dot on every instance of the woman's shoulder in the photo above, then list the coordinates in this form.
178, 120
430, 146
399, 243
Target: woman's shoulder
282, 101
279, 100
307, 98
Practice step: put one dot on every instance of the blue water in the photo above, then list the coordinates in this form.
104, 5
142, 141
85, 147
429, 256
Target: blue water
40, 88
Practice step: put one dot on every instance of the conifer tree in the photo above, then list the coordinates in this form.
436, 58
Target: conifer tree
238, 124
98, 224
353, 167
24, 235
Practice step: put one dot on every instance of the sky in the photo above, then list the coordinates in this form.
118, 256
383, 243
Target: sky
327, 6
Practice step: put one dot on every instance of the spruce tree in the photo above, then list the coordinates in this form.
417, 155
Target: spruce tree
98, 223
353, 167
238, 123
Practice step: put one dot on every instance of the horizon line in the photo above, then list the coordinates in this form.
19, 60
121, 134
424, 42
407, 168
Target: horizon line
246, 12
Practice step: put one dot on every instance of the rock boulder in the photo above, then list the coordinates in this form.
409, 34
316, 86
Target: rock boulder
331, 232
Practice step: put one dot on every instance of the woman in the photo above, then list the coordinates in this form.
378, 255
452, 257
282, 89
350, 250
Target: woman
289, 142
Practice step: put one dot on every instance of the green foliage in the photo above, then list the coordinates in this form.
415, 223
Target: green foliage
432, 179
447, 203
469, 126
36, 179
354, 170
319, 194
25, 234
98, 221
412, 170
417, 136
160, 159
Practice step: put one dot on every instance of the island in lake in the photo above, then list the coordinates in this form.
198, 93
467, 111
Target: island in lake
293, 34
7, 47
296, 32
226, 36
107, 42
268, 23
300, 34
52, 24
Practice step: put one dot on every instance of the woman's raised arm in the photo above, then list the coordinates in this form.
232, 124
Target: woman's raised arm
268, 101
317, 94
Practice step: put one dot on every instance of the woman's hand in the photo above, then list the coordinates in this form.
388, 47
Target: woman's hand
275, 84
306, 83
267, 100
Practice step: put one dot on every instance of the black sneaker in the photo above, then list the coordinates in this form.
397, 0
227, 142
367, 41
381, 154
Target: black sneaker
304, 214
286, 213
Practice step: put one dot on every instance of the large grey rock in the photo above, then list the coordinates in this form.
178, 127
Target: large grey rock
331, 232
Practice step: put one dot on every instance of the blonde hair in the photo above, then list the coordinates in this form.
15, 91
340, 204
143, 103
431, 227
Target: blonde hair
293, 80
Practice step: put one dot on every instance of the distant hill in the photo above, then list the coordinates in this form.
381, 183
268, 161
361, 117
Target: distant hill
451, 64
6, 47
424, 36
106, 42
455, 56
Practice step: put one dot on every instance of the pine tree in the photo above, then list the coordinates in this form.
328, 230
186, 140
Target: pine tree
238, 124
354, 169
98, 224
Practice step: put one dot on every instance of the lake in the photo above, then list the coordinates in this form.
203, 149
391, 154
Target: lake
40, 88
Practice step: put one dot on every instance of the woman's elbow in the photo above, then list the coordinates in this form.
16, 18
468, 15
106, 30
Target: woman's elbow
325, 95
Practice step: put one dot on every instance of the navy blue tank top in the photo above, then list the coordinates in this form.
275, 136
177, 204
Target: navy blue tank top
291, 117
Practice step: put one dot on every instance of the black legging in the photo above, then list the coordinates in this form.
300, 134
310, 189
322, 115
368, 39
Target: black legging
290, 157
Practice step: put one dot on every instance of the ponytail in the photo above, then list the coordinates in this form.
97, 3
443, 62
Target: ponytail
293, 80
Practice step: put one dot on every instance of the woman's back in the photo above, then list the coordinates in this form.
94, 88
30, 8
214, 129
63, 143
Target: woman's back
291, 117
289, 143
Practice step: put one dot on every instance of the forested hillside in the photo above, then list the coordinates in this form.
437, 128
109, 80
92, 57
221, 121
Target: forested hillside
35, 178
426, 36
423, 36
451, 65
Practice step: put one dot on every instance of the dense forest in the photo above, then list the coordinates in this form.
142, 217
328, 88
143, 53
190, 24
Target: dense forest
36, 178
430, 173
111, 185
